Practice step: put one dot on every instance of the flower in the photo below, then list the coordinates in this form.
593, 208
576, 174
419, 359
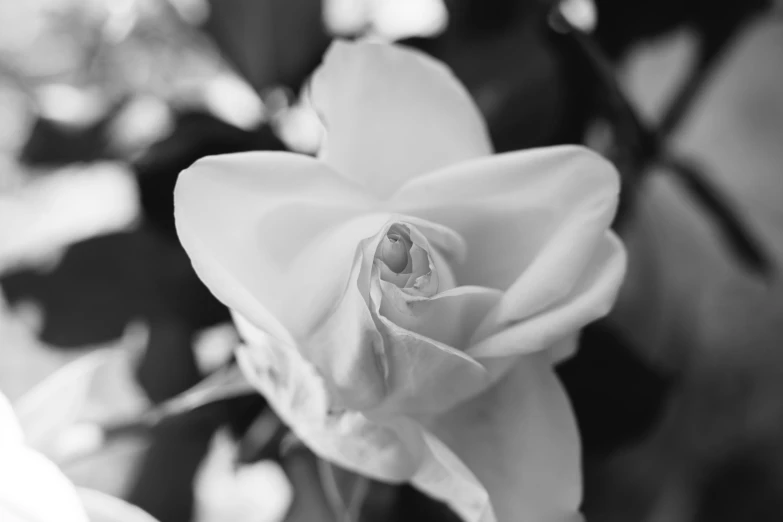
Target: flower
404, 296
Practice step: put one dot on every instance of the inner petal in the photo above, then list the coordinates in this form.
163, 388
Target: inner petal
395, 250
404, 257
424, 279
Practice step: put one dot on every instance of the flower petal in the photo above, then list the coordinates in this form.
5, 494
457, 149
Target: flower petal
345, 344
591, 298
519, 439
347, 348
106, 508
27, 478
423, 375
386, 451
451, 317
540, 212
392, 114
10, 430
249, 221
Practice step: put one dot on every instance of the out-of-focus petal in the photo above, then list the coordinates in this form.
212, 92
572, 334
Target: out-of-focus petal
543, 214
519, 439
258, 228
390, 451
32, 489
223, 491
99, 385
10, 431
392, 114
591, 298
101, 507
538, 212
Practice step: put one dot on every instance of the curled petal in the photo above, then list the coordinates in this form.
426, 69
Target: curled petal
543, 213
428, 272
345, 344
424, 375
389, 450
447, 242
590, 299
348, 349
370, 363
519, 440
539, 211
451, 317
254, 225
392, 114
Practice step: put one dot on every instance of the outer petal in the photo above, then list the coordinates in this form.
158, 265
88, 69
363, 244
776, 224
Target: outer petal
519, 439
392, 114
544, 212
254, 224
423, 374
347, 348
391, 451
540, 211
591, 298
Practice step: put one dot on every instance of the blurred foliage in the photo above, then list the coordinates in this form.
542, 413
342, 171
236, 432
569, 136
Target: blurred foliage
153, 85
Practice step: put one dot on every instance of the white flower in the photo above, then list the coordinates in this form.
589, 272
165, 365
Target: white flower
404, 295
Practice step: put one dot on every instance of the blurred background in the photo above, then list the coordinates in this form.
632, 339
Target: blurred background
679, 393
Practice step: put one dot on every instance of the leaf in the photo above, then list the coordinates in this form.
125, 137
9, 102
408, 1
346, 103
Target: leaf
269, 41
263, 438
310, 503
739, 238
605, 363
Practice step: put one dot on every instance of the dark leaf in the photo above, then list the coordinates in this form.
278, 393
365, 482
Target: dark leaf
271, 42
263, 438
738, 236
617, 397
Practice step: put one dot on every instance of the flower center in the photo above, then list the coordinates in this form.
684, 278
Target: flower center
395, 251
